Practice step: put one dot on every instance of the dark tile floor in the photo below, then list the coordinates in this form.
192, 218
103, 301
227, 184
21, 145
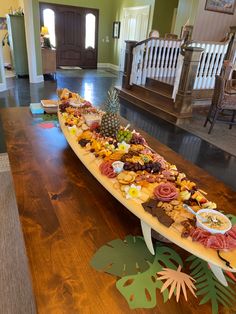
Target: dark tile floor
93, 85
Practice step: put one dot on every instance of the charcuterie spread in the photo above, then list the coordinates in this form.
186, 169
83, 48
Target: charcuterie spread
143, 181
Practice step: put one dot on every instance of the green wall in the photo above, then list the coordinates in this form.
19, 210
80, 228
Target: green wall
163, 14
109, 11
106, 17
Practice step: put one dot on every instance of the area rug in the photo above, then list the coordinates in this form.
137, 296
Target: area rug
70, 68
4, 162
17, 296
91, 73
221, 136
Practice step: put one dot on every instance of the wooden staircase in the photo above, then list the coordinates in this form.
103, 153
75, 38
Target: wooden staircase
165, 76
154, 97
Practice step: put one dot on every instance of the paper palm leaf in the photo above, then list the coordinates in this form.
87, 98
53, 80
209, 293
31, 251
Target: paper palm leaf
140, 290
232, 218
208, 285
177, 281
121, 258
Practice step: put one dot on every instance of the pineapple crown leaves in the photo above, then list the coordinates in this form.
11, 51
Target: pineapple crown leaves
112, 104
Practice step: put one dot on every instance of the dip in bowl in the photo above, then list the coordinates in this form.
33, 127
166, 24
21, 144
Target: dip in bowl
213, 221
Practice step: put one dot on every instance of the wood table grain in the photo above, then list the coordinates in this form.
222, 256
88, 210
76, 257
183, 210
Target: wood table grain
66, 215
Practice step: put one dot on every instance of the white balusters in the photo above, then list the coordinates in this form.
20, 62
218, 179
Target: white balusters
210, 64
146, 58
156, 57
159, 58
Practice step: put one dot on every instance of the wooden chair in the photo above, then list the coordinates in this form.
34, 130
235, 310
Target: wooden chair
222, 100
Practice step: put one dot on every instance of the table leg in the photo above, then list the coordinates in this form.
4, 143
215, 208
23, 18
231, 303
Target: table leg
147, 234
217, 271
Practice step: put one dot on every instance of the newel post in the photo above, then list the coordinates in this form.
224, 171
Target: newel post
232, 45
183, 102
128, 63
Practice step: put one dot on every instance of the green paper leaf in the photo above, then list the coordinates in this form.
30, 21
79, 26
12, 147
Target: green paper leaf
121, 258
232, 218
208, 285
140, 290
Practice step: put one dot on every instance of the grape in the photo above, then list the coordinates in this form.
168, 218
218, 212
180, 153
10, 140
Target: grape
124, 135
137, 139
63, 107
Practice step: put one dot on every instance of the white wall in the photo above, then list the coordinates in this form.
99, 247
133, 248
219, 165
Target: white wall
186, 11
211, 25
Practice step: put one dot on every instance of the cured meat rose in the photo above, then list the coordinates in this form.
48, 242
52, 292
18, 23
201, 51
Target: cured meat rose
166, 192
107, 169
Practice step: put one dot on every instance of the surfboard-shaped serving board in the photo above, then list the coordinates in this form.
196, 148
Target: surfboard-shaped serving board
92, 164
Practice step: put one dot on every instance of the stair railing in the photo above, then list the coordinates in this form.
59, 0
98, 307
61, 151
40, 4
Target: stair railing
153, 58
210, 64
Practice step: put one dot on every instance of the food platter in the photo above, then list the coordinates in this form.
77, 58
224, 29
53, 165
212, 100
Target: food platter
95, 164
92, 164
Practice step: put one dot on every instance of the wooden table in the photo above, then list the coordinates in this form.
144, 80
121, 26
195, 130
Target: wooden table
67, 215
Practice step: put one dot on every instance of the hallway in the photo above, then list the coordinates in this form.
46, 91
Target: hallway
93, 86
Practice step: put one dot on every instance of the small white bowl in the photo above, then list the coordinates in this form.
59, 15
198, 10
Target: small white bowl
118, 166
201, 224
92, 118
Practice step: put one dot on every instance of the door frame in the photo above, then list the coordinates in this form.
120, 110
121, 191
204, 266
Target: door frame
121, 42
53, 6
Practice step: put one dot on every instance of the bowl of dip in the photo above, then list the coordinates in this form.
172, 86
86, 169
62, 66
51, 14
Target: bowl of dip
213, 221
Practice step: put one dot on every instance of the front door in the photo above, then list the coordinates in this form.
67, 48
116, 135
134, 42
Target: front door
76, 32
69, 36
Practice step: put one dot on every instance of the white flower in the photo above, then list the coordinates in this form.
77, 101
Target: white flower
65, 115
132, 191
73, 130
123, 146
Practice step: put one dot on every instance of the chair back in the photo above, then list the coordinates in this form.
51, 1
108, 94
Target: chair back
218, 94
226, 70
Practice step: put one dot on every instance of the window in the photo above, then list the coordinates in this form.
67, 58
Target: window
49, 22
90, 31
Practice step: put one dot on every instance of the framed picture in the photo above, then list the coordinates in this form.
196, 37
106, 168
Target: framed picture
3, 23
116, 30
224, 6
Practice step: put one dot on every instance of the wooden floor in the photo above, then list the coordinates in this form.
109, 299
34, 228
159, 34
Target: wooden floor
66, 215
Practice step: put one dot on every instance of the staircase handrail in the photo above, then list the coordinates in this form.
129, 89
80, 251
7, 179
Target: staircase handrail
226, 42
161, 38
154, 57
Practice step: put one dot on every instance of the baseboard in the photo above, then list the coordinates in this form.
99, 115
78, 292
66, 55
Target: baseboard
3, 87
108, 65
37, 79
102, 65
114, 67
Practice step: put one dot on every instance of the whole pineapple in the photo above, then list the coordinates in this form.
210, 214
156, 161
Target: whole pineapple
110, 123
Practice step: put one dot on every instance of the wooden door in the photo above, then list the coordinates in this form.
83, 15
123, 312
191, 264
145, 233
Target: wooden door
70, 31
